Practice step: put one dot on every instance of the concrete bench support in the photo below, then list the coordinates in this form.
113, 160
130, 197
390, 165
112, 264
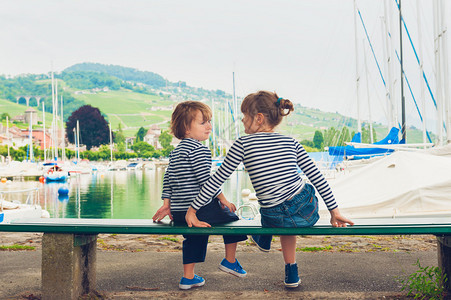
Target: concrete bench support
68, 265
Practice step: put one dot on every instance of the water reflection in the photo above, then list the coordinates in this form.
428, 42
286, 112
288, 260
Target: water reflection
115, 194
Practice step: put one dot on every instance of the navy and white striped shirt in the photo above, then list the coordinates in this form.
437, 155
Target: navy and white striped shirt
271, 160
189, 168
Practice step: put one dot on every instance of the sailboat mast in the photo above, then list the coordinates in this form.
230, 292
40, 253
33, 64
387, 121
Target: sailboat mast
403, 100
235, 113
439, 95
111, 142
357, 77
444, 44
7, 135
43, 128
422, 91
52, 131
213, 136
388, 52
31, 137
63, 144
56, 120
78, 141
370, 121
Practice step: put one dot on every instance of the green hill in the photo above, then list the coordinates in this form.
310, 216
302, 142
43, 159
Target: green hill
137, 99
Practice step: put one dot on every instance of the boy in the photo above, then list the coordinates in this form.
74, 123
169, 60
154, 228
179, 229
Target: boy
189, 168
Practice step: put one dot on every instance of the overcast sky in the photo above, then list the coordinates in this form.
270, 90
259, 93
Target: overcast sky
303, 50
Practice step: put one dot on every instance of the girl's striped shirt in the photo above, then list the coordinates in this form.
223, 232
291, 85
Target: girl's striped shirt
271, 160
189, 168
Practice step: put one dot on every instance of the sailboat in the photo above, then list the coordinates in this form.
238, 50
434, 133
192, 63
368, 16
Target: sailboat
13, 208
354, 151
404, 183
52, 171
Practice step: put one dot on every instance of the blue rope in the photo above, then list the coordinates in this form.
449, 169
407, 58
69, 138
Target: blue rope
371, 46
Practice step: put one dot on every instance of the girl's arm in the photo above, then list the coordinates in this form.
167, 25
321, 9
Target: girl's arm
316, 178
337, 220
167, 191
231, 162
225, 203
200, 159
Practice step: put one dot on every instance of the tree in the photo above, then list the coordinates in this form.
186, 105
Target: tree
166, 151
330, 137
119, 136
94, 130
307, 143
143, 149
4, 115
140, 134
318, 140
366, 134
344, 136
165, 139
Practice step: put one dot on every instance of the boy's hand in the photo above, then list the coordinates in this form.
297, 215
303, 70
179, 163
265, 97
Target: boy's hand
229, 205
192, 220
337, 220
163, 211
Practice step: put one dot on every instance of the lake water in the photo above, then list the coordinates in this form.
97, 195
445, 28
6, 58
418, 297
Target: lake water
114, 194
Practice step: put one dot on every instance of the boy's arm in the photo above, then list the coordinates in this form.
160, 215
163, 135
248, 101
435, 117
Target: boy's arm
163, 211
167, 191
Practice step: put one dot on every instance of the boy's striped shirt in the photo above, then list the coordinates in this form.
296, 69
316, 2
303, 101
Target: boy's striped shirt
271, 160
189, 168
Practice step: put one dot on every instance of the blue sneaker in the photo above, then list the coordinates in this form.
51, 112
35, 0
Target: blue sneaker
263, 242
234, 269
291, 276
186, 284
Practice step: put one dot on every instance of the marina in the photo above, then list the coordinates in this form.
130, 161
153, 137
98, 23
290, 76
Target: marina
125, 194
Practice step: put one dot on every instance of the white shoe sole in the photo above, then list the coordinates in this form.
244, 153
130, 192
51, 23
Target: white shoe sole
227, 270
292, 285
189, 286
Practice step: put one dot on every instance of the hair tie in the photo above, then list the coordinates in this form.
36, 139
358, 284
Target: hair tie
278, 101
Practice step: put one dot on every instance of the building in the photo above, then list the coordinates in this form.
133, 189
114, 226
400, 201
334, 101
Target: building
30, 114
152, 136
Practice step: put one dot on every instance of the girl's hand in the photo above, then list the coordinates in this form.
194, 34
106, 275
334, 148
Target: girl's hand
192, 220
224, 203
337, 220
163, 211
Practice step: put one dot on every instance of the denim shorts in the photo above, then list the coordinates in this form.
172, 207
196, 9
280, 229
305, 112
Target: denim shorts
300, 211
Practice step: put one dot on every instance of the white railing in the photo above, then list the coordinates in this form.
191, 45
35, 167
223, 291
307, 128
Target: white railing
32, 197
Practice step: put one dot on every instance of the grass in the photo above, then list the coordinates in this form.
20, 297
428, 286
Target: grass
16, 247
425, 283
14, 109
168, 238
314, 249
302, 124
119, 102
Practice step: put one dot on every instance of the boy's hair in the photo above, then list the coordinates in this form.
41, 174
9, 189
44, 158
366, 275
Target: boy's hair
268, 104
184, 113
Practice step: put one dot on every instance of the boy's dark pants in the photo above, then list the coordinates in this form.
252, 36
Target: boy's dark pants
195, 246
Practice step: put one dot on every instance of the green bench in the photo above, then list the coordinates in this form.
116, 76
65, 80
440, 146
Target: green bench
69, 245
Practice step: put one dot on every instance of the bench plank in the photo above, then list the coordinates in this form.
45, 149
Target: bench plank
382, 226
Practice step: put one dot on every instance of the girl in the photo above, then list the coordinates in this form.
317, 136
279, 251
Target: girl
189, 168
271, 160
